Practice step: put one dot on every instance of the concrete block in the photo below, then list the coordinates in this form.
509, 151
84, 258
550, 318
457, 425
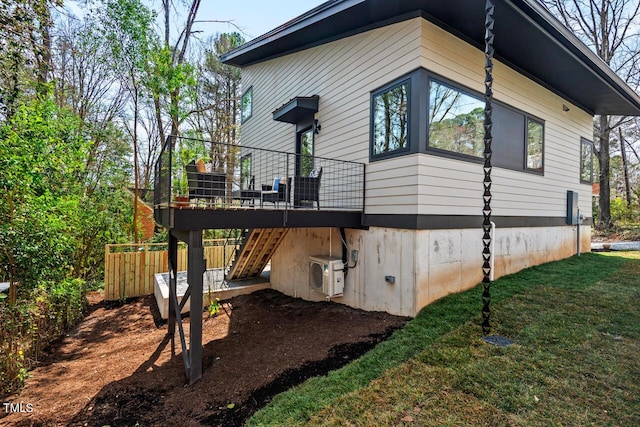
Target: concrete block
214, 287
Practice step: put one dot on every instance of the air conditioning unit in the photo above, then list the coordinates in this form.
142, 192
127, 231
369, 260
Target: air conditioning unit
326, 275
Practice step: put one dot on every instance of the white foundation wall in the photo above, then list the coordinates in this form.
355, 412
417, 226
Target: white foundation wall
426, 264
381, 252
519, 248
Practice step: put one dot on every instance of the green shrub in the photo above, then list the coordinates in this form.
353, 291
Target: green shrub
622, 213
50, 310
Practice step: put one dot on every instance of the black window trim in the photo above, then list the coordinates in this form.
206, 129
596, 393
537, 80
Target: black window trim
242, 119
418, 81
409, 148
582, 141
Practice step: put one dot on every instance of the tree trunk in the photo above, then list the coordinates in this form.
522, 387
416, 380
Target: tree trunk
174, 97
604, 205
178, 56
625, 167
158, 111
42, 49
136, 172
9, 253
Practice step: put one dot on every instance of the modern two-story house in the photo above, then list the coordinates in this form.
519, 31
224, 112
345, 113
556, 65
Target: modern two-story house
394, 91
398, 86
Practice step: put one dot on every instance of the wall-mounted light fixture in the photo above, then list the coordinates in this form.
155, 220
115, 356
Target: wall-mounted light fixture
565, 108
316, 126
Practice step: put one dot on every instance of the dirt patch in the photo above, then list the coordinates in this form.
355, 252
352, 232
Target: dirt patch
617, 234
116, 367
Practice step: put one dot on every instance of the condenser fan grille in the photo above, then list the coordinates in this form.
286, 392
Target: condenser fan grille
316, 276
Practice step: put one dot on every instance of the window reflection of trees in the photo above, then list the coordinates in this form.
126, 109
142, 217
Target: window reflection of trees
586, 162
306, 142
245, 172
247, 105
390, 125
535, 137
455, 121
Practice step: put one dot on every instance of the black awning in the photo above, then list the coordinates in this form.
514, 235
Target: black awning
297, 110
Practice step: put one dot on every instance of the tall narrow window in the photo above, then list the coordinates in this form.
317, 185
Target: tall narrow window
455, 120
304, 150
245, 172
390, 120
586, 161
535, 143
247, 105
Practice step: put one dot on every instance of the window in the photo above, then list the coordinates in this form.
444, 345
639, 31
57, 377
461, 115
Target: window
390, 120
422, 112
247, 105
304, 151
245, 173
535, 142
586, 161
455, 120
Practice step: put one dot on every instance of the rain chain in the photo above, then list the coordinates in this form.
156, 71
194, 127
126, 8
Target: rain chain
488, 139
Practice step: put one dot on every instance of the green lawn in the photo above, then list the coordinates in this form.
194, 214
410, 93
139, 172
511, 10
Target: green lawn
575, 361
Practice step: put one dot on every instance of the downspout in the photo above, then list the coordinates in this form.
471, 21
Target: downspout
578, 232
487, 240
493, 250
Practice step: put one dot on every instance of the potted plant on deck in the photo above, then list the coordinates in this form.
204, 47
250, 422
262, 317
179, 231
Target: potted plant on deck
186, 152
181, 190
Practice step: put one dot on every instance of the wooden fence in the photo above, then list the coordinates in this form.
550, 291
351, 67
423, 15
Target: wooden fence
129, 269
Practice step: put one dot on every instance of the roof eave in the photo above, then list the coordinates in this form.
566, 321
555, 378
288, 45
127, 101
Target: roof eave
613, 95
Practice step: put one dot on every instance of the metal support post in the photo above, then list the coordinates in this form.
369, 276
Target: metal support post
195, 272
173, 283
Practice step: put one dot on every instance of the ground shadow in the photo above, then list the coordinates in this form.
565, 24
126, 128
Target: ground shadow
271, 343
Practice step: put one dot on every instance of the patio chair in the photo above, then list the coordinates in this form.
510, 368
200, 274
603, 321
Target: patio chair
205, 185
276, 193
306, 190
247, 194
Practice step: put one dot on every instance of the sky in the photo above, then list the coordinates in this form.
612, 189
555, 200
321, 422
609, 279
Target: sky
253, 17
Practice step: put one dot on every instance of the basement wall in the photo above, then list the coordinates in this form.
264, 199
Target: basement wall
427, 264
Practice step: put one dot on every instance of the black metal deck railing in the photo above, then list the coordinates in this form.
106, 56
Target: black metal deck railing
238, 177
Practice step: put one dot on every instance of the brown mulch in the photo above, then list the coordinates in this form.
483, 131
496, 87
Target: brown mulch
116, 367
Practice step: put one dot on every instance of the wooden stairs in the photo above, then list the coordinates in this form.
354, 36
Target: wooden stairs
256, 251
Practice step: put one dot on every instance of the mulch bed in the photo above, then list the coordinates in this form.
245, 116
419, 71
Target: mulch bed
116, 367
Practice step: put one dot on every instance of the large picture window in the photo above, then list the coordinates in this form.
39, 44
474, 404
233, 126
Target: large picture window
586, 161
535, 143
247, 105
455, 120
425, 113
390, 119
